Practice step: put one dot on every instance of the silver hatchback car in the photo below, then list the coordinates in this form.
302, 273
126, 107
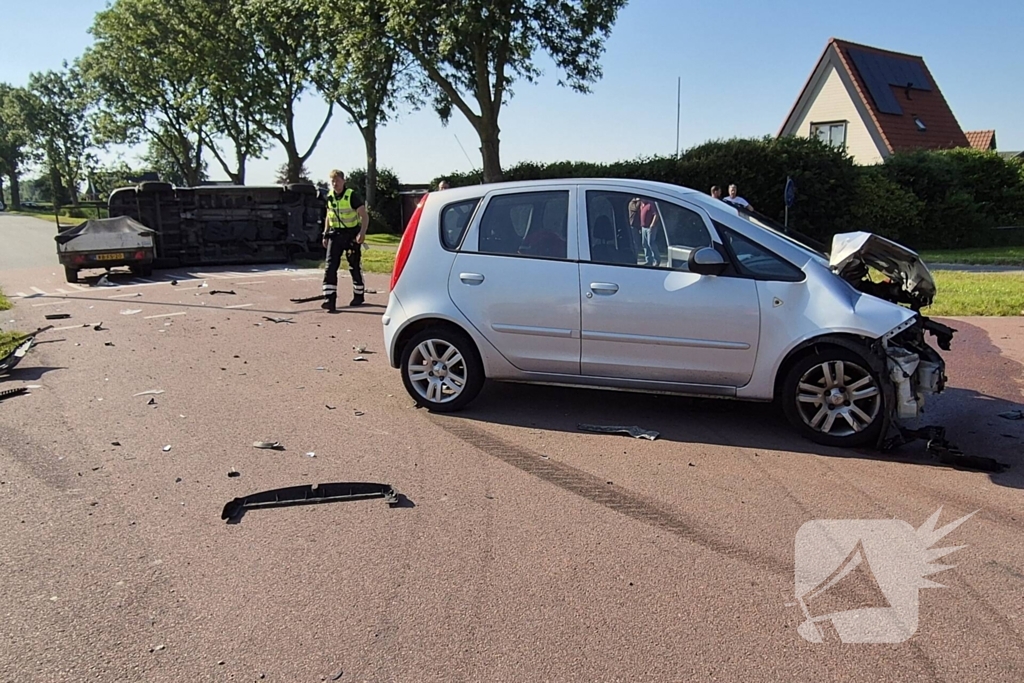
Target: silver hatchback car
643, 286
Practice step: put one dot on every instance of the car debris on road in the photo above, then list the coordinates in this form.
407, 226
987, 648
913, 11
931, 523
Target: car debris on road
58, 316
149, 392
279, 320
269, 445
309, 494
10, 393
167, 448
1012, 415
633, 431
222, 291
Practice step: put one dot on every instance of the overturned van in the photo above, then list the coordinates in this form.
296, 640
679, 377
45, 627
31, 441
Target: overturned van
226, 224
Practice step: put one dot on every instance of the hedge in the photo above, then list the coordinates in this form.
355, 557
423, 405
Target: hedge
925, 199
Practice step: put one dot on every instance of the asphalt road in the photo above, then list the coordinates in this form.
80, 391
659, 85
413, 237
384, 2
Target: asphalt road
27, 242
526, 550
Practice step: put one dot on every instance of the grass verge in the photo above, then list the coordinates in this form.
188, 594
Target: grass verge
5, 303
384, 238
991, 256
374, 261
962, 293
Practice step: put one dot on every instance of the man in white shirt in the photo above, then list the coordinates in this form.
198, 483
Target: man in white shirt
737, 200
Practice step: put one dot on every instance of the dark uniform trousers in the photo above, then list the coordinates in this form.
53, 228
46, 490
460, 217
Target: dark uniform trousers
339, 242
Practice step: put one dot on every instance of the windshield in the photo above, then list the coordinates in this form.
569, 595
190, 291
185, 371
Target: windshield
789, 234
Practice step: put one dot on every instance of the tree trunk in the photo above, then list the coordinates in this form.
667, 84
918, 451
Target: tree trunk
56, 186
294, 164
15, 190
370, 138
238, 177
488, 132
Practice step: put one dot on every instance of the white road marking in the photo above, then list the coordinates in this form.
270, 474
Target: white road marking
78, 287
63, 291
239, 306
21, 294
164, 315
261, 282
37, 290
306, 279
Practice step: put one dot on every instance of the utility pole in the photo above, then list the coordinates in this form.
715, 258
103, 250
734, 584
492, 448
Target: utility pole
679, 95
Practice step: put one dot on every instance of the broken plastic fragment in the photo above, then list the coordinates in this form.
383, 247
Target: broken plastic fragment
167, 448
269, 445
150, 392
152, 402
309, 495
234, 473
633, 431
131, 311
221, 291
58, 316
359, 358
279, 320
1013, 415
311, 454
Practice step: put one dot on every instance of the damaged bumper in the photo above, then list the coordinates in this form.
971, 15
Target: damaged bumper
914, 369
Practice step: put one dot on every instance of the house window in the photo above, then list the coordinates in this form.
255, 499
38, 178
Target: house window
833, 133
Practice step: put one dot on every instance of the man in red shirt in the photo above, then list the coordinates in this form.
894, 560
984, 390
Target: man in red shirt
648, 225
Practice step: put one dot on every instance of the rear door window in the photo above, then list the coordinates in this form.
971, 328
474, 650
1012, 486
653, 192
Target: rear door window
455, 220
533, 224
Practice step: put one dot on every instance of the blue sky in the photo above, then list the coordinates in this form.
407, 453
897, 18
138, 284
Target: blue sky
742, 65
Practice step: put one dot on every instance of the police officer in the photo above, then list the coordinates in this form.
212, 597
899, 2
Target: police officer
344, 231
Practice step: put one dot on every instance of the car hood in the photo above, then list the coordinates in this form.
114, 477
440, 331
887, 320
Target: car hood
852, 252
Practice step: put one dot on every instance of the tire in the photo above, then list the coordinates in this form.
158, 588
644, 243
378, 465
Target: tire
307, 189
152, 187
70, 274
847, 411
435, 343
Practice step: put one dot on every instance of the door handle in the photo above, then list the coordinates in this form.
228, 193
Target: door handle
604, 287
471, 278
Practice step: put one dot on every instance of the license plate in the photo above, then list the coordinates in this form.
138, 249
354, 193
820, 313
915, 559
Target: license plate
109, 257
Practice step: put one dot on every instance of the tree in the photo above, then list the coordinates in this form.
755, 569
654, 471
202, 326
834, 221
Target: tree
478, 49
287, 44
150, 82
365, 73
14, 141
167, 162
55, 106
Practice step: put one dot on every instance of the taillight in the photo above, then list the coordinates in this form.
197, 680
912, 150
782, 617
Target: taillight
405, 246
139, 255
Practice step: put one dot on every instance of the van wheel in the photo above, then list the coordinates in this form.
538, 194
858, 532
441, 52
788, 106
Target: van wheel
441, 369
70, 274
834, 398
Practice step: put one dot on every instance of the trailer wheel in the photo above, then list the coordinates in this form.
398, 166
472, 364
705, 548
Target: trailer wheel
70, 274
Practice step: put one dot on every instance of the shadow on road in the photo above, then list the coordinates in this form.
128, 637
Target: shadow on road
27, 373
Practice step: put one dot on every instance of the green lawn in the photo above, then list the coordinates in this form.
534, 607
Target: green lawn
5, 337
991, 256
5, 303
384, 238
374, 261
961, 293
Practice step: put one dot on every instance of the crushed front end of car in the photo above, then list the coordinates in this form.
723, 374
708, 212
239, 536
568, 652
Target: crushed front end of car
914, 369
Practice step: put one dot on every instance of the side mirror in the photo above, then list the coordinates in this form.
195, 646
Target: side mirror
707, 261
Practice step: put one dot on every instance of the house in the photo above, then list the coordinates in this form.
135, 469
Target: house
873, 103
1009, 156
982, 139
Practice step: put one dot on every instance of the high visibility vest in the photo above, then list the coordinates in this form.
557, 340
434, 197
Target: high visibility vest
340, 214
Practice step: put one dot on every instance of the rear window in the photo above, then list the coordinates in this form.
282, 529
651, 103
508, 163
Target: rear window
527, 224
455, 220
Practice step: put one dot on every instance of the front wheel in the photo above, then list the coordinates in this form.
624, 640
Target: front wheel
441, 370
834, 398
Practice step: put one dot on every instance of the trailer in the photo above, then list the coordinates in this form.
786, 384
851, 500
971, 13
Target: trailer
226, 224
106, 243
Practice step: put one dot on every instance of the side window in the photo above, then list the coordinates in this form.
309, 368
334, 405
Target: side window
757, 262
454, 221
628, 229
528, 224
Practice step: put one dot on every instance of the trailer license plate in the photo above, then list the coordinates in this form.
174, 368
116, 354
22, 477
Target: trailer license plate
109, 257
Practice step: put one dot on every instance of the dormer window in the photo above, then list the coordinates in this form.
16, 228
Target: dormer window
920, 124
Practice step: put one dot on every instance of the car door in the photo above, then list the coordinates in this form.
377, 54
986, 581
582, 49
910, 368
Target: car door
516, 278
659, 322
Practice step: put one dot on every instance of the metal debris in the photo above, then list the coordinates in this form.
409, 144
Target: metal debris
269, 445
8, 393
309, 494
58, 316
1013, 415
150, 392
633, 431
279, 320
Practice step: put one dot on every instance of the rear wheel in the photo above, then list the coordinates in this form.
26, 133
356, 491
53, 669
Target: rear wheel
70, 274
441, 369
834, 397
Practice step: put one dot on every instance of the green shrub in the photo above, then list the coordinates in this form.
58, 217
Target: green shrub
389, 204
883, 207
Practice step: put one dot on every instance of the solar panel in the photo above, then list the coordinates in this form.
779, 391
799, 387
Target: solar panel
879, 72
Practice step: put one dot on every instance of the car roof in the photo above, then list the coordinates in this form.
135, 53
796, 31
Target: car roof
654, 186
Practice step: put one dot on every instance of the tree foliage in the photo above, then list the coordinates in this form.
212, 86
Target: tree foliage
55, 107
477, 50
14, 140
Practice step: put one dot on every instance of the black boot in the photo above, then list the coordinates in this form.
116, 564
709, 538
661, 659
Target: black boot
357, 300
330, 304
